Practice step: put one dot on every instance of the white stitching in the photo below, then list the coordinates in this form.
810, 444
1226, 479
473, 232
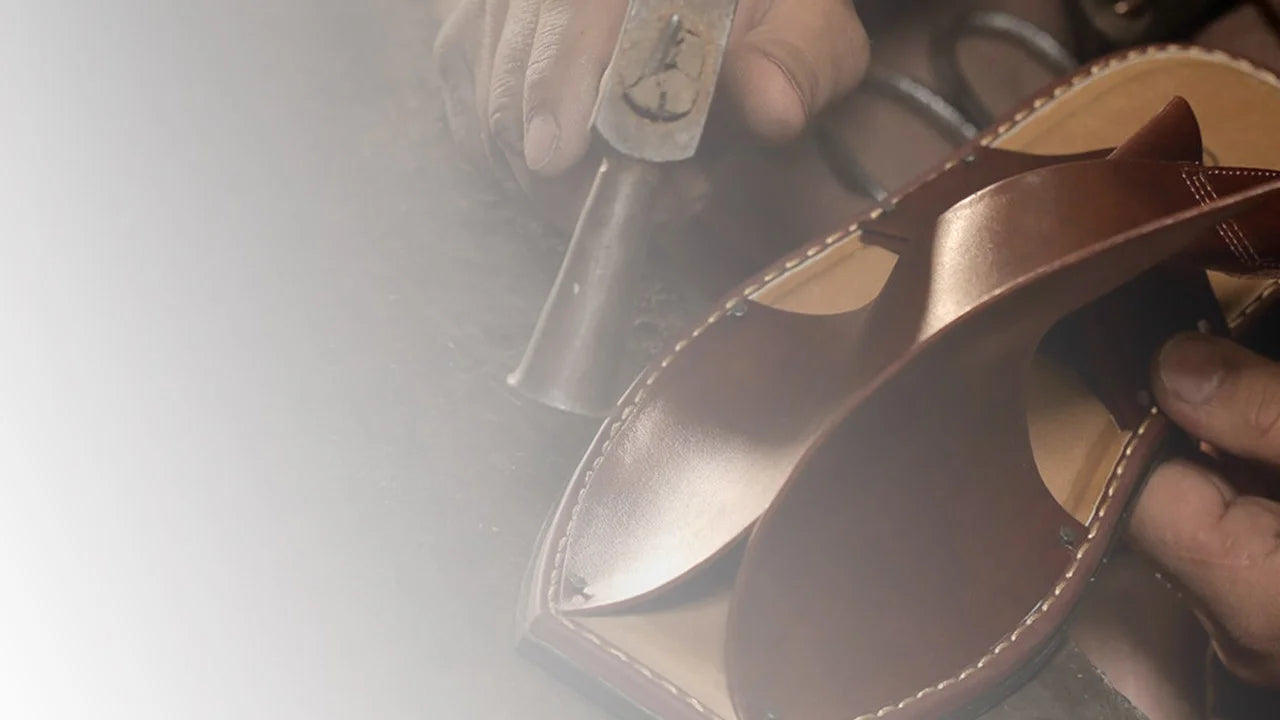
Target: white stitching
1043, 608
1240, 171
1242, 240
1094, 525
1233, 226
1230, 230
827, 243
1205, 195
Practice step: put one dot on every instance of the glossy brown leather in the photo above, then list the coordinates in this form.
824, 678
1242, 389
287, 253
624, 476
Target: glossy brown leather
912, 218
916, 558
666, 656
1173, 135
707, 451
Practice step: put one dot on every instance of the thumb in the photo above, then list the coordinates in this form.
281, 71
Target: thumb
789, 60
1224, 549
1221, 393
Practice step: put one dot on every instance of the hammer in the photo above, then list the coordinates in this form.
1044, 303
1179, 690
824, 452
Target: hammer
653, 106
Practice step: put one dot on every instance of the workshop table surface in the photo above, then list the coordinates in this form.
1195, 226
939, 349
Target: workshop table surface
259, 458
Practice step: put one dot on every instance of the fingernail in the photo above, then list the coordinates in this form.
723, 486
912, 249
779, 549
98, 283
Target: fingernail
1191, 368
541, 138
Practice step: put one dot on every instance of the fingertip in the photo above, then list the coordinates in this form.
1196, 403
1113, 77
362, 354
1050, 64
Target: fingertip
541, 142
506, 114
795, 61
1221, 393
553, 146
506, 89
571, 48
769, 99
1181, 500
1189, 369
557, 127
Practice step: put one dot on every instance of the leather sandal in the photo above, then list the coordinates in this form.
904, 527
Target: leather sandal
876, 481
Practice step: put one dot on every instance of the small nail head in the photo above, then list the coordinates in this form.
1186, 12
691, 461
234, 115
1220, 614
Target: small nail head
577, 586
1067, 536
739, 309
1204, 326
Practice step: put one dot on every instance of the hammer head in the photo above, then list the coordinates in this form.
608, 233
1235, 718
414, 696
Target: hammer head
657, 92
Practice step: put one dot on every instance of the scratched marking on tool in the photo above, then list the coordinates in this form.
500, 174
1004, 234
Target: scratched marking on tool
656, 95
667, 90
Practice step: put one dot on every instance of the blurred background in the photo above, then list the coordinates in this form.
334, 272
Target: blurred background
256, 453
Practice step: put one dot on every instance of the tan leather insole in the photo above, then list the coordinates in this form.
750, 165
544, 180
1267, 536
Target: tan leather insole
1076, 442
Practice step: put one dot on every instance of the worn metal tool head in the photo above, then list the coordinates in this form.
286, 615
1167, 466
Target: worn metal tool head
652, 108
656, 95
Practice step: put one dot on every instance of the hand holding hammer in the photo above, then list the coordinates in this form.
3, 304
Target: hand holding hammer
652, 109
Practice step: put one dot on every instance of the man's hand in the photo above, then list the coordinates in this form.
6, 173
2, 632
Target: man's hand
522, 76
1223, 546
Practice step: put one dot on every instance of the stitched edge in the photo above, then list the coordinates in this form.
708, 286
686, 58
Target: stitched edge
1095, 526
1204, 195
803, 256
1230, 231
1232, 226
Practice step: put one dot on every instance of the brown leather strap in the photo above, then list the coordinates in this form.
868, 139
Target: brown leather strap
929, 464
912, 216
1110, 342
1172, 135
1087, 339
1245, 245
1249, 244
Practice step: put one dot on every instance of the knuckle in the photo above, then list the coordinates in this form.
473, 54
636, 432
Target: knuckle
556, 15
542, 62
504, 92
